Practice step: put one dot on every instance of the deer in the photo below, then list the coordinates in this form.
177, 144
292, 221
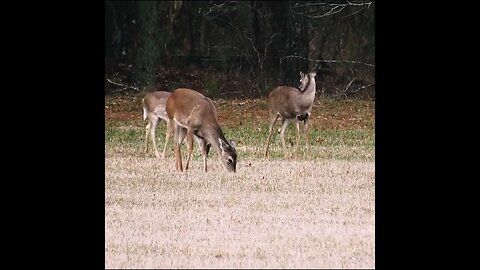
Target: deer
154, 108
289, 103
196, 115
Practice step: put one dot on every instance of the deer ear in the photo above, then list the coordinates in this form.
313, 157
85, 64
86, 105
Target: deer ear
233, 143
220, 143
301, 74
223, 145
314, 74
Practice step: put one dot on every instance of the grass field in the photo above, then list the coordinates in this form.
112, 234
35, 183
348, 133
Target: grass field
309, 212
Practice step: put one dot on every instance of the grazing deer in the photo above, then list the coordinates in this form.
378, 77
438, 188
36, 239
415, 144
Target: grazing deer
291, 103
154, 108
195, 114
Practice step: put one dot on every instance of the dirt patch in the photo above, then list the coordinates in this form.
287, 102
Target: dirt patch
327, 113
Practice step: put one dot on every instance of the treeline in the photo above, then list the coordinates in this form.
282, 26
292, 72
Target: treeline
240, 47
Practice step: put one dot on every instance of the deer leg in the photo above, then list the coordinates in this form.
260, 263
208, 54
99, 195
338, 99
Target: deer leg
305, 129
179, 136
189, 146
147, 131
298, 137
169, 133
272, 122
204, 149
286, 121
153, 127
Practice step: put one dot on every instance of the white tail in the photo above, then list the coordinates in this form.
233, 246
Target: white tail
195, 115
291, 103
154, 108
145, 113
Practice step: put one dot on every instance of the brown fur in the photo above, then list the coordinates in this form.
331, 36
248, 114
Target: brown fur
195, 114
154, 108
289, 103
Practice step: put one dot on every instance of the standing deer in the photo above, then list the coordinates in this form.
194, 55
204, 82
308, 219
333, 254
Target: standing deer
195, 114
154, 108
291, 103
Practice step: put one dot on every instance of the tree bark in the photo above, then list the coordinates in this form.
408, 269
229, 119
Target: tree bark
148, 50
296, 30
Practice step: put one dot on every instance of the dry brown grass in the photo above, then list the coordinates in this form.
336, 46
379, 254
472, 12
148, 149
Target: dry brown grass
270, 214
327, 113
316, 212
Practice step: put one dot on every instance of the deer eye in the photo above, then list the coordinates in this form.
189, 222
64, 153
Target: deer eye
230, 160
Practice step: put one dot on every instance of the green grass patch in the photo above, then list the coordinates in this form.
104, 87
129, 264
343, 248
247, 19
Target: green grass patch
357, 144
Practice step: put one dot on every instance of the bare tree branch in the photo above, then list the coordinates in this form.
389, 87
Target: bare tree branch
123, 85
334, 8
354, 13
348, 85
347, 3
215, 7
259, 59
327, 61
346, 89
268, 44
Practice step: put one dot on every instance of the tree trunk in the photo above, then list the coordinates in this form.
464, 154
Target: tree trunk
297, 46
277, 23
257, 8
146, 59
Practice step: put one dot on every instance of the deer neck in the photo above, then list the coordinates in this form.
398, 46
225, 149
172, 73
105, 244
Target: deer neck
212, 133
310, 88
308, 95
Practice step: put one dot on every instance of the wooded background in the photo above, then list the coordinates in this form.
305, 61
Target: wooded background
239, 48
